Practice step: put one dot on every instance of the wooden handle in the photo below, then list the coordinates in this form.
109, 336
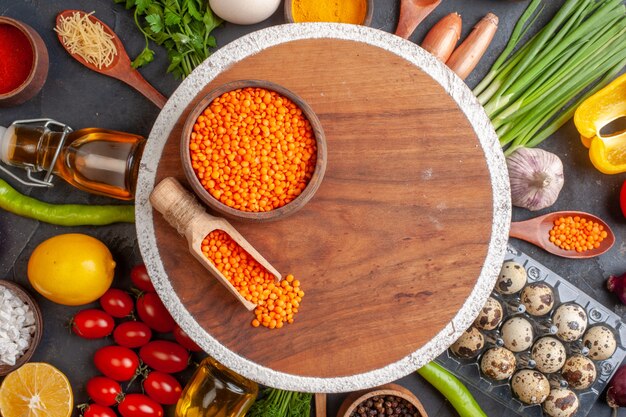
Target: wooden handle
176, 204
320, 405
527, 230
412, 12
136, 80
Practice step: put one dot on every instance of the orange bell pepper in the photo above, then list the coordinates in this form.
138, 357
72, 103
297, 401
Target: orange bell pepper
607, 153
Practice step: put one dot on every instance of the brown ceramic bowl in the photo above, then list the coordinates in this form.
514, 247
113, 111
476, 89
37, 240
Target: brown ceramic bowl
356, 398
368, 15
20, 293
39, 71
229, 212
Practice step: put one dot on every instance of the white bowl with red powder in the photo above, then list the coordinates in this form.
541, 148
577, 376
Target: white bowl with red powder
23, 62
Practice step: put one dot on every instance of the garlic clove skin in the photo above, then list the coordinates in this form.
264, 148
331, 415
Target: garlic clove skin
536, 178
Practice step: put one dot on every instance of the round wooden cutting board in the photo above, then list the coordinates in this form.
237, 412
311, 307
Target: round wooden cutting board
399, 247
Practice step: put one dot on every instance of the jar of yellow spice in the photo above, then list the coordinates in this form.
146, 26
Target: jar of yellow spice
357, 12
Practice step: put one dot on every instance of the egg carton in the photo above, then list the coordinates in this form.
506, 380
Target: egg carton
468, 370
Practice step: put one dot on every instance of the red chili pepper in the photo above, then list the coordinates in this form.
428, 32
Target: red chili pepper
16, 58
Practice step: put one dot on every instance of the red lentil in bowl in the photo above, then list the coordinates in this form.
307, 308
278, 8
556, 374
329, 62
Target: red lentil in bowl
253, 150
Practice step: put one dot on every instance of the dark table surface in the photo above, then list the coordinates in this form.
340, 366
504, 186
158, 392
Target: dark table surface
82, 98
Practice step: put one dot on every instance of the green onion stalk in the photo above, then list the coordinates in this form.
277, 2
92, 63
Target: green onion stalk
533, 89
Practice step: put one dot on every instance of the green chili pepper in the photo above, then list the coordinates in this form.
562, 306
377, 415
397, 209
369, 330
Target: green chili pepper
451, 388
63, 214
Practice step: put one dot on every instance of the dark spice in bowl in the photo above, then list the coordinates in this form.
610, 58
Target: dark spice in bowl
385, 405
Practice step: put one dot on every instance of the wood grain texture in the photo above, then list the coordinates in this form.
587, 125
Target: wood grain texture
392, 243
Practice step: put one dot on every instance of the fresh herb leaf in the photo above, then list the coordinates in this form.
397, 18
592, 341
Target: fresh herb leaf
142, 6
211, 42
180, 39
171, 18
154, 9
175, 59
183, 27
155, 22
145, 57
193, 10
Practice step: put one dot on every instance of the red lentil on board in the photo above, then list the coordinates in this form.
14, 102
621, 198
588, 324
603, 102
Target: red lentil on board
277, 302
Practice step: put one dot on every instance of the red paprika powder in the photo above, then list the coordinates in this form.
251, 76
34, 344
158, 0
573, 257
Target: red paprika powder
16, 58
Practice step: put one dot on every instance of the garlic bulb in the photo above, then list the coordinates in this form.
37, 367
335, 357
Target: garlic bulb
536, 178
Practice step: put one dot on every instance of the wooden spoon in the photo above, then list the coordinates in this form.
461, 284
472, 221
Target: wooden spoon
412, 12
182, 211
320, 405
120, 68
537, 232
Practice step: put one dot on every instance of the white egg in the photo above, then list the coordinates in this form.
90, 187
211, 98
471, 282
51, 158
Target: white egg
244, 12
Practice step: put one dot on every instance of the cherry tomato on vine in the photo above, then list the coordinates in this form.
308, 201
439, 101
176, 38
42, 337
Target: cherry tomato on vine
92, 324
164, 356
139, 405
117, 362
103, 390
162, 388
185, 341
152, 312
97, 410
117, 303
139, 277
132, 334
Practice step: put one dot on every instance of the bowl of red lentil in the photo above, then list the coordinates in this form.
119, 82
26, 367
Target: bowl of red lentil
253, 150
23, 62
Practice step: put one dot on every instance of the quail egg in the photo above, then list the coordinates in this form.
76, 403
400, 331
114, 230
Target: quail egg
469, 344
571, 322
512, 278
601, 342
531, 387
579, 372
561, 403
517, 334
498, 363
490, 315
538, 299
549, 354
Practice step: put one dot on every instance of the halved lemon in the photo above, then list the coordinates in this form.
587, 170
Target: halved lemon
36, 390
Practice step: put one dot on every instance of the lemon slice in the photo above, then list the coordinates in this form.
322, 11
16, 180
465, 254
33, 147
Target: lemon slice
36, 390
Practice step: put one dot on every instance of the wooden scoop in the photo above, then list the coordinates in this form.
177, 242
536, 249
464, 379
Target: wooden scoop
537, 232
412, 12
182, 211
120, 68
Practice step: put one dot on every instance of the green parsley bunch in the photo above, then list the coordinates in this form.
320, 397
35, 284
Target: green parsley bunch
183, 27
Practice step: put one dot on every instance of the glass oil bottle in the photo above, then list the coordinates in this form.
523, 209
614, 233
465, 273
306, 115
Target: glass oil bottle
216, 391
95, 160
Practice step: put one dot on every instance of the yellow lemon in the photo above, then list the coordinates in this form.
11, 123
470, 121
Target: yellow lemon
36, 390
71, 269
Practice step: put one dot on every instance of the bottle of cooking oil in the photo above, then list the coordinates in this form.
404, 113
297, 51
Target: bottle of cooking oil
95, 160
216, 391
